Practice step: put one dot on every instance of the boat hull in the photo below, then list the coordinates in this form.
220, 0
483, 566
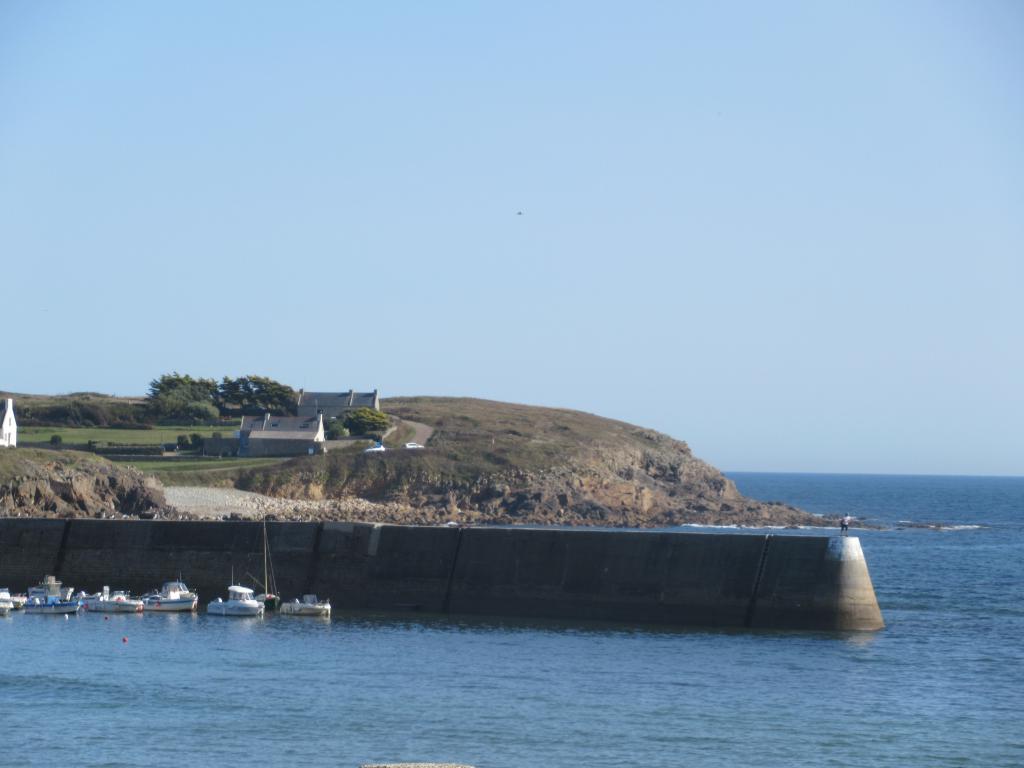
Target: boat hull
232, 608
304, 609
270, 602
178, 605
53, 609
115, 606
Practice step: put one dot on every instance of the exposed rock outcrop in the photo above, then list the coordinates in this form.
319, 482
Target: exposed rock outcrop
485, 463
501, 463
69, 484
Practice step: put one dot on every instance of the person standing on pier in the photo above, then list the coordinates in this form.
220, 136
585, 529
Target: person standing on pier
844, 525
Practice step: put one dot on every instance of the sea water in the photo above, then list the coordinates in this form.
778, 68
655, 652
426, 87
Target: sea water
942, 685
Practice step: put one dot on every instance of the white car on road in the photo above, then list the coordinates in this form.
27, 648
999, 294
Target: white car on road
412, 446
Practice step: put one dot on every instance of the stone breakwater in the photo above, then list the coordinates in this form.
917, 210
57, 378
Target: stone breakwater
684, 579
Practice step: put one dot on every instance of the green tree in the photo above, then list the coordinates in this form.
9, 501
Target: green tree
183, 386
336, 430
366, 421
201, 411
177, 397
254, 395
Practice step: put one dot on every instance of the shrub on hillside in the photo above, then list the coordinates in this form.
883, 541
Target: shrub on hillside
81, 413
336, 430
366, 421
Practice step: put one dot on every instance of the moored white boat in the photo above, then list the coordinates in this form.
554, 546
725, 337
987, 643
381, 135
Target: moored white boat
240, 602
173, 596
308, 606
52, 606
6, 603
49, 587
51, 597
111, 602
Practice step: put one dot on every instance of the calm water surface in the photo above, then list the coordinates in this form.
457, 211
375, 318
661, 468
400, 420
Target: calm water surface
940, 686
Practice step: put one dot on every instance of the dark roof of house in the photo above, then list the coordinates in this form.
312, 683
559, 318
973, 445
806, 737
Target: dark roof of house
265, 426
307, 434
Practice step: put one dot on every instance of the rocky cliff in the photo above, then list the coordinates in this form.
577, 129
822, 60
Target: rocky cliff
41, 483
503, 463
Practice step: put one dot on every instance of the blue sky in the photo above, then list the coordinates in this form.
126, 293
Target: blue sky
791, 234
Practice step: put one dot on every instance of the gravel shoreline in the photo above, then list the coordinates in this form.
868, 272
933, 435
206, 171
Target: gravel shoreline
217, 503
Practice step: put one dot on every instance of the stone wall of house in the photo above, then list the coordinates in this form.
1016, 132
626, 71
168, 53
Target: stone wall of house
254, 447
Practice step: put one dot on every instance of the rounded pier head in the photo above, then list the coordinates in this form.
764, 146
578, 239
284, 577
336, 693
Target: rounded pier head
856, 604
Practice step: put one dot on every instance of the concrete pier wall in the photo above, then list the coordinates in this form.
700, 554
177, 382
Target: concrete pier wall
684, 579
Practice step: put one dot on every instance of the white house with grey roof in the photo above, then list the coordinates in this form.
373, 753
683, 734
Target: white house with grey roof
335, 404
281, 435
9, 430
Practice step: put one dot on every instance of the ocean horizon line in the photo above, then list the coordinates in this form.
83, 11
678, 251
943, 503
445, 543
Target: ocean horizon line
951, 475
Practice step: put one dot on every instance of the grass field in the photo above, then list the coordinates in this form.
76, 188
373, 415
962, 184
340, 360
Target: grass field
210, 471
25, 461
102, 436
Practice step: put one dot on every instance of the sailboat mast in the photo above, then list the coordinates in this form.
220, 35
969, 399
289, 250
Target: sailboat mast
266, 582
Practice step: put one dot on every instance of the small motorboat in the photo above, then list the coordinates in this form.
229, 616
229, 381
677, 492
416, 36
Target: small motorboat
308, 606
52, 598
173, 596
50, 586
52, 606
240, 602
6, 603
111, 602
